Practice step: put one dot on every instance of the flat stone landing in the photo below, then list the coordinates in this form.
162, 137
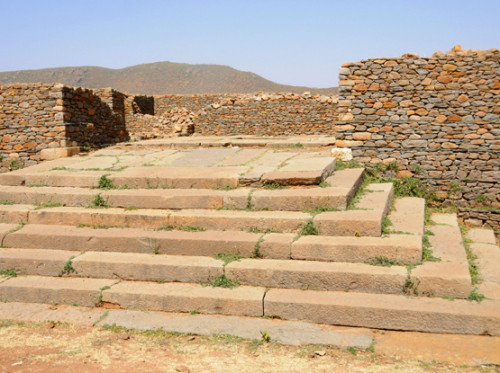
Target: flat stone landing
143, 165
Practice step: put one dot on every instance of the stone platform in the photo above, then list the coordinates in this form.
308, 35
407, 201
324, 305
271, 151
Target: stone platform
213, 226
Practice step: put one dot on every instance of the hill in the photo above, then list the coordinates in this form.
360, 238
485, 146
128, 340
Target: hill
159, 78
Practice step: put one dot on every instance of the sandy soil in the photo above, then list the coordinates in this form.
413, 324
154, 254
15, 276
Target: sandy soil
54, 347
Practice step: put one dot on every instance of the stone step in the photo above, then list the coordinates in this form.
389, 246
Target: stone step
385, 311
380, 311
178, 268
349, 223
182, 297
365, 219
253, 221
301, 171
408, 216
399, 248
267, 273
449, 276
483, 245
207, 243
134, 177
42, 289
405, 249
296, 199
36, 262
297, 274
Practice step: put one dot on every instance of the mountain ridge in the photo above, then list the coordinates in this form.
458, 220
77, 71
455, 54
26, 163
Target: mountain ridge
159, 78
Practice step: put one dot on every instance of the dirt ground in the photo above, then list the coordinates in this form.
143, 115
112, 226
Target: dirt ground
60, 347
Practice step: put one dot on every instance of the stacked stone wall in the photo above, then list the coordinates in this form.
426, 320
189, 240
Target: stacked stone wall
94, 118
31, 120
261, 114
438, 118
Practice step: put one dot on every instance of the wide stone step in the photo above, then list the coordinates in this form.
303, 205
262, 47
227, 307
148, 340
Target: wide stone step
134, 177
296, 199
385, 311
206, 243
41, 289
196, 269
404, 249
318, 275
380, 311
179, 297
254, 221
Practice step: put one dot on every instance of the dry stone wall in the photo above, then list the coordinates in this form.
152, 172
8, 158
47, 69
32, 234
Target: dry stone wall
260, 114
31, 119
38, 116
437, 117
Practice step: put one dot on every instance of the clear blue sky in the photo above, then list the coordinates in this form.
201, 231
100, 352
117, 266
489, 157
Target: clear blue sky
299, 42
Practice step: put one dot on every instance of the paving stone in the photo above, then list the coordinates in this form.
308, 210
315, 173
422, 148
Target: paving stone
481, 235
63, 290
438, 279
299, 199
203, 157
161, 177
136, 240
94, 162
101, 217
490, 290
242, 157
178, 297
80, 179
285, 221
400, 248
446, 244
293, 177
37, 312
488, 261
147, 267
276, 245
36, 195
285, 332
268, 162
15, 213
385, 311
444, 219
349, 223
6, 229
168, 198
271, 273
34, 261
408, 215
377, 197
350, 179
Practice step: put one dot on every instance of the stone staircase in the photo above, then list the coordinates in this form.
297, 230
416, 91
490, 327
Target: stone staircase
234, 231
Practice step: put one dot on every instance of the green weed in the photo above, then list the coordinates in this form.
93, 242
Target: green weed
475, 296
43, 205
191, 228
223, 282
256, 250
274, 186
265, 336
341, 165
382, 261
99, 201
8, 272
309, 229
227, 258
105, 183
